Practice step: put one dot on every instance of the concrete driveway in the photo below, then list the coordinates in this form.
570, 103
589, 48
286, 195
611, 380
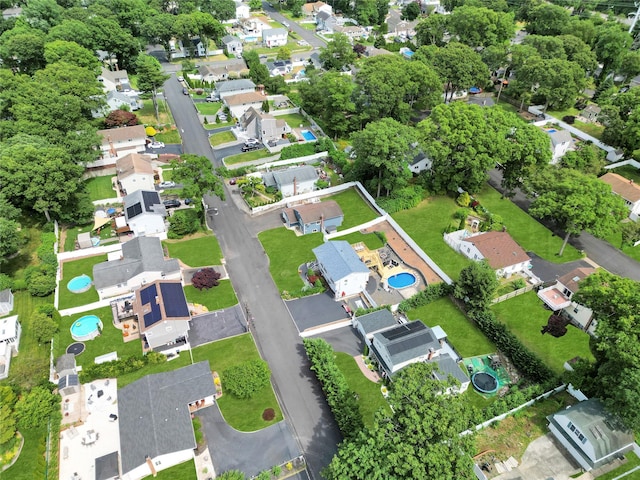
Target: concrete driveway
213, 326
316, 310
251, 452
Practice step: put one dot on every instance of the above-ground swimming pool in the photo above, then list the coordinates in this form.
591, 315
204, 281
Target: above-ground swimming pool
86, 328
484, 382
79, 284
402, 280
308, 135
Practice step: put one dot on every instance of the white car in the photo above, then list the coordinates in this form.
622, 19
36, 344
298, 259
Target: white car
181, 78
167, 184
156, 145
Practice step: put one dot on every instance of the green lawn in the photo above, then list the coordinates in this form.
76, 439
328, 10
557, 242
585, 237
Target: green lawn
184, 471
147, 115
200, 251
215, 298
370, 398
356, 210
371, 240
425, 224
208, 108
294, 120
286, 253
462, 334
109, 341
632, 462
615, 239
528, 232
628, 171
72, 235
246, 157
569, 112
169, 136
590, 129
71, 269
100, 188
17, 264
167, 173
526, 326
221, 137
31, 462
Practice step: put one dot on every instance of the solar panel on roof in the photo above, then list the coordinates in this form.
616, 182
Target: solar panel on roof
134, 210
175, 304
150, 199
148, 296
402, 330
408, 344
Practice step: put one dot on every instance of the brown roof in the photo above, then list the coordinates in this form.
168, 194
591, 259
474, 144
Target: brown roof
244, 98
312, 7
133, 163
571, 279
313, 212
622, 186
499, 249
122, 134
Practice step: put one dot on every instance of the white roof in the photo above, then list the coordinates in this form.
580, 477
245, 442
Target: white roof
8, 327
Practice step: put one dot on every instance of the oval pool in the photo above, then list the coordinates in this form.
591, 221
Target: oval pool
86, 328
402, 280
79, 284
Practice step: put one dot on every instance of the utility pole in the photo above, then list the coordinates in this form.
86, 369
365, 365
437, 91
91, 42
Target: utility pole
635, 17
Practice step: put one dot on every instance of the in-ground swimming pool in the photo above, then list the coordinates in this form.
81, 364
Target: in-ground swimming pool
308, 135
86, 328
402, 280
79, 284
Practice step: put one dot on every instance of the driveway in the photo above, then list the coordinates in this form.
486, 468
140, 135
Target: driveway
549, 272
250, 453
316, 310
212, 326
344, 339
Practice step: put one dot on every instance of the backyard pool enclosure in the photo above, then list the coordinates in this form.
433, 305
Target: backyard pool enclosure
85, 328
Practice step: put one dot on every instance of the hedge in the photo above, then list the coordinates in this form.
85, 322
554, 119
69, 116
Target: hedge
120, 367
430, 294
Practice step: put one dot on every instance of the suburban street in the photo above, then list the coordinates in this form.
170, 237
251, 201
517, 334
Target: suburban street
307, 35
301, 397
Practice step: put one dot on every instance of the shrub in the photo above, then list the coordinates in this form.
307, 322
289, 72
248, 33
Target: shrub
246, 379
183, 222
120, 118
461, 214
463, 199
382, 236
40, 283
297, 150
44, 328
268, 415
120, 367
34, 408
5, 281
570, 119
276, 471
430, 294
402, 199
519, 283
205, 278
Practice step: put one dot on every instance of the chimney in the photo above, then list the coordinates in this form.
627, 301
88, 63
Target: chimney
431, 353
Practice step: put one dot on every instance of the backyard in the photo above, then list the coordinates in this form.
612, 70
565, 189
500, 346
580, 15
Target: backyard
71, 235
200, 250
215, 298
184, 471
100, 188
628, 171
356, 210
294, 120
74, 268
527, 326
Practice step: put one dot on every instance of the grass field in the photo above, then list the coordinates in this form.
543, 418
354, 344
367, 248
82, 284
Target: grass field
169, 136
553, 351
196, 251
215, 298
615, 239
370, 398
71, 269
462, 334
632, 462
356, 210
207, 108
72, 235
628, 171
221, 137
286, 253
100, 188
184, 471
246, 157
147, 115
294, 120
371, 240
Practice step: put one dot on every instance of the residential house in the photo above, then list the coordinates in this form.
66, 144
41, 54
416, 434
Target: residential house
501, 251
292, 181
263, 126
253, 28
221, 72
354, 32
232, 45
314, 217
592, 436
561, 143
145, 214
628, 190
402, 345
193, 48
342, 268
275, 37
310, 10
372, 51
403, 29
589, 114
238, 104
156, 431
163, 316
134, 172
114, 80
242, 10
326, 21
66, 374
6, 301
118, 142
117, 100
140, 261
420, 163
279, 67
10, 332
235, 87
371, 323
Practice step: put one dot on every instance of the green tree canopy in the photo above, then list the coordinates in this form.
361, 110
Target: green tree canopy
611, 43
480, 26
476, 285
222, 10
10, 238
22, 48
34, 408
71, 53
338, 53
411, 11
431, 30
548, 19
196, 174
150, 77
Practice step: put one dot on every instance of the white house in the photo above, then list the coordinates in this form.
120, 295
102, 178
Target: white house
238, 104
117, 100
561, 143
242, 10
254, 27
156, 431
292, 181
341, 267
310, 10
140, 261
274, 37
232, 45
628, 190
501, 251
163, 316
419, 163
145, 214
235, 87
6, 301
279, 67
114, 80
10, 332
134, 172
264, 126
118, 142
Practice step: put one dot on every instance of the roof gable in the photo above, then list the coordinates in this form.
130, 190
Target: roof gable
560, 136
572, 279
315, 212
133, 163
8, 327
143, 201
375, 321
160, 301
499, 249
339, 259
288, 176
122, 134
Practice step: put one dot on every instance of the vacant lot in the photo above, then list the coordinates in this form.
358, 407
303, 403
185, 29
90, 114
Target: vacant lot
215, 298
221, 137
246, 157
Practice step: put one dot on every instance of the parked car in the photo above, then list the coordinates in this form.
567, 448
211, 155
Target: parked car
248, 148
172, 203
156, 145
252, 141
233, 181
185, 91
212, 98
222, 117
167, 184
188, 201
181, 78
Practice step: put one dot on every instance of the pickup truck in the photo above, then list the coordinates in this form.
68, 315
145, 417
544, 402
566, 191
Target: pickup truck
250, 147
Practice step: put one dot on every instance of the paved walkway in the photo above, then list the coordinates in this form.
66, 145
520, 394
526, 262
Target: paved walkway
370, 374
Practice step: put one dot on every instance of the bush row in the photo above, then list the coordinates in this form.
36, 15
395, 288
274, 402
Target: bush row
402, 199
120, 367
340, 398
303, 292
514, 398
430, 294
40, 280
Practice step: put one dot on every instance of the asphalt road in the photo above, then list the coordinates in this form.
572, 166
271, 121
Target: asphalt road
307, 35
297, 389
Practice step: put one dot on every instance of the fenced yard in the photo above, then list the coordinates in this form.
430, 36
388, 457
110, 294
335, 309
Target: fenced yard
71, 269
100, 188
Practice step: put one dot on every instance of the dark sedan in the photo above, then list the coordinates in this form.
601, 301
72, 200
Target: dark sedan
172, 203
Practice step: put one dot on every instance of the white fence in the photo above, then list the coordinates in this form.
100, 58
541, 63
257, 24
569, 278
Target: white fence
515, 293
89, 252
302, 197
293, 161
622, 164
285, 111
357, 228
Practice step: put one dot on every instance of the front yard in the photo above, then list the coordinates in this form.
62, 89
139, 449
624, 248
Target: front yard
196, 251
74, 268
221, 137
208, 108
215, 298
100, 188
246, 157
147, 114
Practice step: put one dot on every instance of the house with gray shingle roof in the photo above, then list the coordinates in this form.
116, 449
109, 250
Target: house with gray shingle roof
374, 322
561, 143
314, 217
274, 37
156, 431
345, 273
232, 45
141, 261
145, 214
292, 181
234, 87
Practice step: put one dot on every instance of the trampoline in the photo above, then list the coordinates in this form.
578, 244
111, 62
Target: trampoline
76, 348
484, 382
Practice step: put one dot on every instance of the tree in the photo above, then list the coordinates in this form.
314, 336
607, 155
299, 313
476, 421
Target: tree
255, 5
548, 19
120, 118
183, 222
250, 185
22, 48
338, 53
611, 43
44, 328
71, 53
72, 30
196, 174
205, 278
367, 12
476, 285
578, 202
555, 82
247, 379
431, 30
411, 11
42, 14
222, 10
7, 417
587, 159
382, 149
34, 408
480, 27
10, 238
150, 78
284, 53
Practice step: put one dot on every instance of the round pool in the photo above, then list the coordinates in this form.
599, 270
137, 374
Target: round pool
402, 280
86, 328
79, 284
484, 382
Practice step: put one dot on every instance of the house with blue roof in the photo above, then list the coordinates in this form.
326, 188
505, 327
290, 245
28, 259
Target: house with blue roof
345, 273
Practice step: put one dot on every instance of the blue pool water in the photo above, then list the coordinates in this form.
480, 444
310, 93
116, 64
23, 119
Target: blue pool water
401, 280
408, 54
552, 130
79, 284
85, 327
309, 136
